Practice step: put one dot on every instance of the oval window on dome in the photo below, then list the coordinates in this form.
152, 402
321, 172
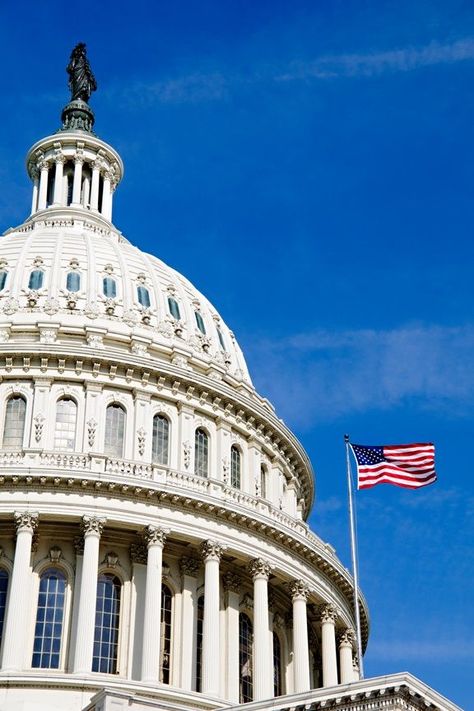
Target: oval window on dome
221, 339
174, 308
143, 296
3, 279
36, 279
200, 322
109, 287
73, 281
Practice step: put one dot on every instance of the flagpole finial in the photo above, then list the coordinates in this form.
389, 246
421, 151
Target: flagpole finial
346, 438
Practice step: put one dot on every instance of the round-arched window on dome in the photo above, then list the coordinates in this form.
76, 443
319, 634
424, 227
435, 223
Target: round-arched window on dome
14, 427
143, 296
114, 430
245, 658
73, 281
201, 453
35, 281
200, 322
160, 440
109, 287
235, 466
174, 308
65, 431
3, 279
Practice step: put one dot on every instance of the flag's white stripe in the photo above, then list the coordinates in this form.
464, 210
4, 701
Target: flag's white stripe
407, 450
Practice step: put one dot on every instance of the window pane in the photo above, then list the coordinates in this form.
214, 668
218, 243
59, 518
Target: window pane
245, 658
174, 308
36, 280
160, 441
114, 430
165, 630
221, 339
109, 287
51, 597
65, 432
73, 281
200, 622
201, 453
3, 598
235, 467
277, 676
263, 483
14, 423
107, 620
143, 296
200, 322
3, 279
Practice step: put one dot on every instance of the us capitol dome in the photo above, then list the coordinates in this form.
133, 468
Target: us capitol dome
154, 546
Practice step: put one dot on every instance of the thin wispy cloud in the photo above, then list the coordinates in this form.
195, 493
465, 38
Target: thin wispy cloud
369, 64
326, 375
218, 85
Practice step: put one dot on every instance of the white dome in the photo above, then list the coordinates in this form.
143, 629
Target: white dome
66, 245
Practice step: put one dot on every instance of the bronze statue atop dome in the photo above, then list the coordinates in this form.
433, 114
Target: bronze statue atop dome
81, 79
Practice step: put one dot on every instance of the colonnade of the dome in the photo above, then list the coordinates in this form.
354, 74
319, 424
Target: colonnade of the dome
147, 605
74, 171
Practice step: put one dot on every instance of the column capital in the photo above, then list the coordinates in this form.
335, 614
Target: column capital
259, 569
299, 590
211, 550
190, 566
346, 638
60, 158
26, 521
43, 164
79, 158
328, 613
92, 525
232, 582
155, 536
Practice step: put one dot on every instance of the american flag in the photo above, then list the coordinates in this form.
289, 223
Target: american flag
408, 465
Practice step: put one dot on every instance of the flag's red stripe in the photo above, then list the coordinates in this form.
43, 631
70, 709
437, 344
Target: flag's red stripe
387, 466
389, 480
415, 445
390, 475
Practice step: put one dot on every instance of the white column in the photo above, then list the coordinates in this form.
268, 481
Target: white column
34, 199
189, 570
79, 546
346, 640
86, 192
16, 621
58, 180
76, 186
262, 686
43, 185
138, 557
299, 593
232, 588
328, 642
92, 528
155, 539
96, 166
355, 667
106, 210
211, 553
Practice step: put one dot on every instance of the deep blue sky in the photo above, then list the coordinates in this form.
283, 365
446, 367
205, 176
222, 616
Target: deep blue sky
309, 166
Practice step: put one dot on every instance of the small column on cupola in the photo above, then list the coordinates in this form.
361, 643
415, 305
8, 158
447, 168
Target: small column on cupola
74, 169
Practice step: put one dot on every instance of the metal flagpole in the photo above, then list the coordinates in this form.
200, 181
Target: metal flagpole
355, 571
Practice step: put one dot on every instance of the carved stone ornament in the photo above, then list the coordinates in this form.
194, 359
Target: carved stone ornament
26, 521
247, 602
232, 582
355, 662
165, 328
95, 340
4, 335
32, 298
141, 437
91, 430
190, 566
139, 553
225, 469
10, 306
154, 536
328, 613
211, 550
91, 310
79, 545
298, 590
130, 317
259, 568
55, 554
140, 349
92, 525
39, 424
187, 454
111, 559
48, 335
51, 307
278, 620
346, 638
